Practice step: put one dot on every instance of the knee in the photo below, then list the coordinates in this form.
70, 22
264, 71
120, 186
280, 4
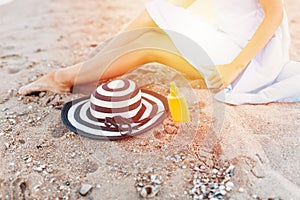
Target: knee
147, 20
152, 38
142, 21
148, 56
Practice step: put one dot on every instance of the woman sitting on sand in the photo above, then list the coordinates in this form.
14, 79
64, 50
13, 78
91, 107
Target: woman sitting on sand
247, 40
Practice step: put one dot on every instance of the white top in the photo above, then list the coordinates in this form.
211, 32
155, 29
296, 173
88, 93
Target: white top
269, 77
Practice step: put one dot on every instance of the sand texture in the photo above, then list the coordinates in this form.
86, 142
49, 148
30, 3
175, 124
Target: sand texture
41, 159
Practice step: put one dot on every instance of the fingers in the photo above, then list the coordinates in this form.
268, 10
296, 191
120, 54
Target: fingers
213, 76
215, 79
216, 83
219, 84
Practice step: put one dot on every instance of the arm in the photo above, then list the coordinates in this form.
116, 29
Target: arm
226, 74
273, 17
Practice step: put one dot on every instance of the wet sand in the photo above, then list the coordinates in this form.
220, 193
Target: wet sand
41, 159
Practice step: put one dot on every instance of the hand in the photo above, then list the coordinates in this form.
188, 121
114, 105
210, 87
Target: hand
223, 75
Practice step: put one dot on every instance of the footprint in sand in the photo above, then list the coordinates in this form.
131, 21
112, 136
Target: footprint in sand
12, 62
19, 188
13, 70
58, 130
90, 166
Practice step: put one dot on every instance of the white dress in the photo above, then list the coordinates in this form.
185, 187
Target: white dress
269, 77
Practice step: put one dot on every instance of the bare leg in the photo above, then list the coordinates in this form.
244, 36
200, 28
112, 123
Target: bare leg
152, 46
128, 51
86, 73
144, 20
58, 84
141, 24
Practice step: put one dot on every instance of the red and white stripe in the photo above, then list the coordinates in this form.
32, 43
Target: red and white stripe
116, 98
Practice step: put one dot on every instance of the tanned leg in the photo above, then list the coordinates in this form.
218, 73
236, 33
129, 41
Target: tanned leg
136, 46
59, 84
144, 20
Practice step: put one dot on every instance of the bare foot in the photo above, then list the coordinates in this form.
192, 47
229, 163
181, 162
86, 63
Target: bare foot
45, 83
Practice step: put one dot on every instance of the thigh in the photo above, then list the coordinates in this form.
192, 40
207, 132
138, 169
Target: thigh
143, 20
157, 39
139, 38
148, 40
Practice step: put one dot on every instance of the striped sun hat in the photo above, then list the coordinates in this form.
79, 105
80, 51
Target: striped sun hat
115, 110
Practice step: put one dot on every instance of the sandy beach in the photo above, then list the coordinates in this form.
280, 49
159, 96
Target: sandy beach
251, 151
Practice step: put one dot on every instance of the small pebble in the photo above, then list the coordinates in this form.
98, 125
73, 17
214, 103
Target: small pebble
9, 113
37, 187
38, 169
73, 155
42, 94
4, 109
10, 92
28, 160
20, 114
49, 170
6, 145
144, 193
85, 188
229, 185
140, 184
230, 168
153, 177
22, 141
241, 190
148, 191
223, 192
182, 166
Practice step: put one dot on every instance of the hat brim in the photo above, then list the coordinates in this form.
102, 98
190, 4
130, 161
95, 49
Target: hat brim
76, 117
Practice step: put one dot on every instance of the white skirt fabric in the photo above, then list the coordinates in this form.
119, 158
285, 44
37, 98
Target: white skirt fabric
269, 77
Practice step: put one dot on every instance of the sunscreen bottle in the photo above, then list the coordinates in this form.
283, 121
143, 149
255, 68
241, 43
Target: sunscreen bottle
177, 104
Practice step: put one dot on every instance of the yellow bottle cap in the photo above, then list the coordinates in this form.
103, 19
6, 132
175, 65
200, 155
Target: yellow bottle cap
177, 104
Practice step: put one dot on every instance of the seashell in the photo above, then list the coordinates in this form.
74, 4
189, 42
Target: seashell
148, 191
229, 185
153, 177
85, 188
